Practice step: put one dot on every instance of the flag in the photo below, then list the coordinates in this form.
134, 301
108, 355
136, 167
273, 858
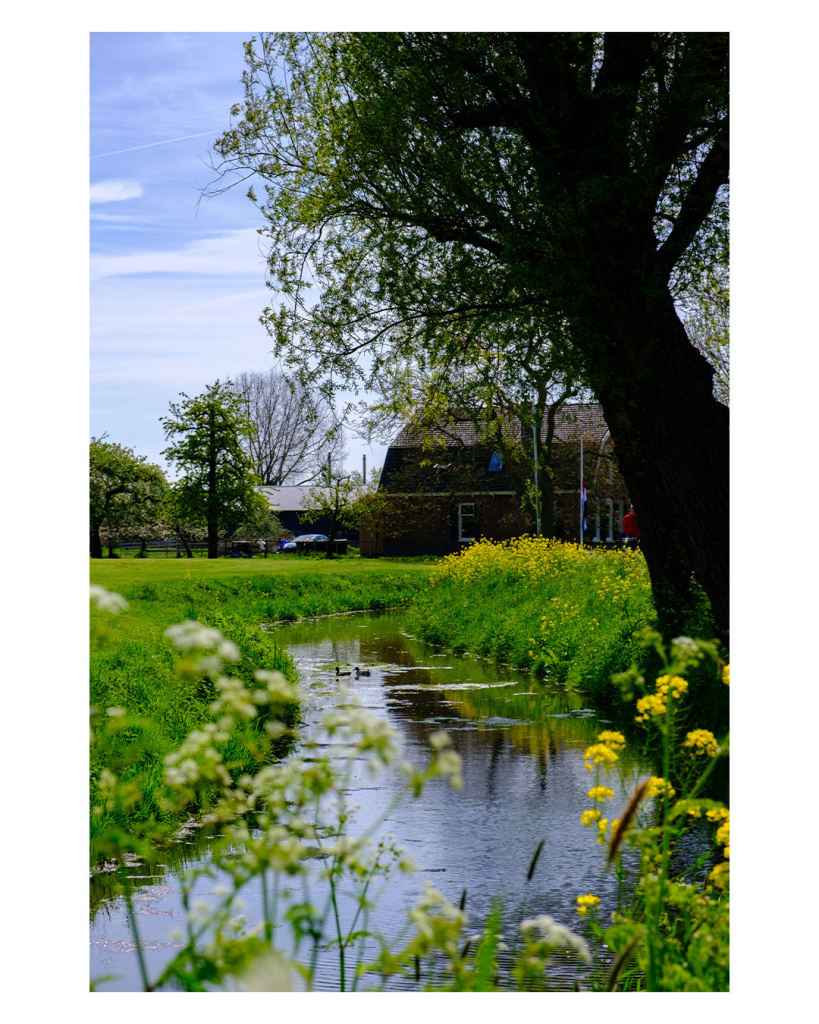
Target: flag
583, 502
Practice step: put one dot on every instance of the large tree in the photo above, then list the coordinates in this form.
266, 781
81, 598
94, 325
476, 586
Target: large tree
294, 431
126, 493
217, 488
416, 181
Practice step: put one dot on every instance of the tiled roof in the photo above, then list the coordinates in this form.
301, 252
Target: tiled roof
573, 422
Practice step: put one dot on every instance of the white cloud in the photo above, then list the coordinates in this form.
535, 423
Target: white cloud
236, 252
115, 190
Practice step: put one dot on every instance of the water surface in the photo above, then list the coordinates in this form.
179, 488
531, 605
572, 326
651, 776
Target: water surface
524, 780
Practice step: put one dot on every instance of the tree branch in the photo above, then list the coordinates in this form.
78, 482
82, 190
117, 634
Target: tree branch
697, 204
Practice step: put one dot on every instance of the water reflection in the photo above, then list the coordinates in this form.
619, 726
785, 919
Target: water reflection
524, 777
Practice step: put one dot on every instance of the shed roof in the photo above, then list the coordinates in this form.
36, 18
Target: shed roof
286, 499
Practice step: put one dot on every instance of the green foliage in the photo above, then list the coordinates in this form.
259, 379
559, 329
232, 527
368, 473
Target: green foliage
670, 932
338, 502
126, 492
218, 486
157, 703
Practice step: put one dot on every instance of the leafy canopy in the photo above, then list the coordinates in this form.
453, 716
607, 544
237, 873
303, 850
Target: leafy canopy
206, 433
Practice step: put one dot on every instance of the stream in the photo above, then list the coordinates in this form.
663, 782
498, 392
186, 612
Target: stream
522, 747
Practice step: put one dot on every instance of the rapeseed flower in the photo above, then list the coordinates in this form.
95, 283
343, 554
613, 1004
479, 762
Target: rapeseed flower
616, 740
600, 793
599, 753
585, 903
657, 786
701, 741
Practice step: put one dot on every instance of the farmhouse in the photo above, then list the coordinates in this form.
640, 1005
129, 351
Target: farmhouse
450, 486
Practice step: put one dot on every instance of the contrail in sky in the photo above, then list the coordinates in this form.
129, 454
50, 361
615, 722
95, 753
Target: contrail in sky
148, 145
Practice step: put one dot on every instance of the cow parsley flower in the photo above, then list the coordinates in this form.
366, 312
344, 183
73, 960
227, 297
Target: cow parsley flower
106, 600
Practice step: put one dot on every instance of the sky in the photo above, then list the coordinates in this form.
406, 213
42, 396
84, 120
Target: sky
177, 282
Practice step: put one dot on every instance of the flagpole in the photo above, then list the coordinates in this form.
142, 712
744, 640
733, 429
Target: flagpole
537, 489
581, 492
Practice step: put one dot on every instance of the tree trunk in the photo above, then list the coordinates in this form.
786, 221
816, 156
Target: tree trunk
96, 542
213, 540
671, 438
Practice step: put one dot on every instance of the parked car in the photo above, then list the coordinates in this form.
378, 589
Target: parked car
287, 545
308, 542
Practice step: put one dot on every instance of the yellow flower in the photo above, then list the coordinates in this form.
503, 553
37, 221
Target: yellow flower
717, 814
649, 707
719, 875
701, 741
724, 832
599, 753
601, 793
657, 786
588, 817
584, 903
602, 825
725, 675
616, 740
676, 684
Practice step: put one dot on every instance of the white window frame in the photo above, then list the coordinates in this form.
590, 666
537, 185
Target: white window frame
461, 514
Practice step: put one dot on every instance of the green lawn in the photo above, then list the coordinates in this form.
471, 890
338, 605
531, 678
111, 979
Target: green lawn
119, 573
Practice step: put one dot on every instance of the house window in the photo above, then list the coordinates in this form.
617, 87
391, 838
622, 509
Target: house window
496, 463
466, 521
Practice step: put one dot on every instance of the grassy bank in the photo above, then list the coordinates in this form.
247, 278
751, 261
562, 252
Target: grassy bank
135, 668
569, 614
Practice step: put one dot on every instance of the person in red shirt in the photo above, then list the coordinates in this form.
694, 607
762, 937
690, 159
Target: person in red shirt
630, 527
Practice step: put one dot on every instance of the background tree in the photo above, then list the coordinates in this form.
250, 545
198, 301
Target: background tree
126, 493
218, 485
179, 521
415, 181
338, 502
294, 430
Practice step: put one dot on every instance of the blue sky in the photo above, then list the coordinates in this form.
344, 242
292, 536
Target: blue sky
176, 285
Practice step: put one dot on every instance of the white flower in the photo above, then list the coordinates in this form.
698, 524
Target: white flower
439, 740
210, 664
106, 600
229, 651
193, 634
556, 935
278, 687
